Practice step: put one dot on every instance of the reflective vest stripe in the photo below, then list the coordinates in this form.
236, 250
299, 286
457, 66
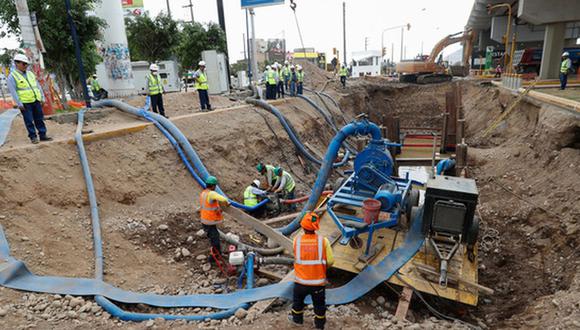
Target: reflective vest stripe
155, 86
249, 198
271, 77
201, 82
26, 87
300, 76
310, 271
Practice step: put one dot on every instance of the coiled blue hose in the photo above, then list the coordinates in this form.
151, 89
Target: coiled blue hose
362, 127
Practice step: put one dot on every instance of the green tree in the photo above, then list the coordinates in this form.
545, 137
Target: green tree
151, 39
55, 32
195, 39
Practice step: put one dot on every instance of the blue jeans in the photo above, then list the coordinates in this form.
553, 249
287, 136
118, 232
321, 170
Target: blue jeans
299, 88
204, 99
34, 119
280, 89
563, 80
292, 88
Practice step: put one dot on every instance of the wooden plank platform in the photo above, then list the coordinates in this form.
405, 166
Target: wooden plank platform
346, 258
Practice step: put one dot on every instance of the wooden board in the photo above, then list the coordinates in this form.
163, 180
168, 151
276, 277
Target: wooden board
346, 259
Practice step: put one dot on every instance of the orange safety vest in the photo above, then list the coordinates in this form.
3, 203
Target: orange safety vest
310, 260
211, 213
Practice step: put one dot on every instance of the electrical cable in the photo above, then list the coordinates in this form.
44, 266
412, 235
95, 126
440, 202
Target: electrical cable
431, 308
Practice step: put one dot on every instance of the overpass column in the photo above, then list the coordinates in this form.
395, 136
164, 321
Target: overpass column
552, 52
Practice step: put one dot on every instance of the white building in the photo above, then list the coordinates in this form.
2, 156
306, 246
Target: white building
366, 63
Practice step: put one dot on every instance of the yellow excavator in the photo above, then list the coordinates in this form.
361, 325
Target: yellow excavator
425, 70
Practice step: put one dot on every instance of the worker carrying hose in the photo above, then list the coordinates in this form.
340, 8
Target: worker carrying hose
211, 203
252, 194
268, 171
343, 73
284, 185
312, 256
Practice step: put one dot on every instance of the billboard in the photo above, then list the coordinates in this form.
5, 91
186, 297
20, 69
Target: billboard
260, 3
132, 7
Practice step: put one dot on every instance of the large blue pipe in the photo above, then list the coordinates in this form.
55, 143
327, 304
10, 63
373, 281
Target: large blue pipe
362, 127
291, 133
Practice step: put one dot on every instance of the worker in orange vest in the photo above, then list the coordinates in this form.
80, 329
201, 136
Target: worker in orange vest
210, 211
312, 255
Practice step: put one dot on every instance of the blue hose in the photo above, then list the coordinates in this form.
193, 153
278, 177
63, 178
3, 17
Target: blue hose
363, 127
181, 141
291, 133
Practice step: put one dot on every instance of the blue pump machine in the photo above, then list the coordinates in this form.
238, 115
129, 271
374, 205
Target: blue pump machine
372, 178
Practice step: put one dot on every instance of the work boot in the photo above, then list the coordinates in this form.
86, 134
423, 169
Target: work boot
45, 138
294, 322
34, 141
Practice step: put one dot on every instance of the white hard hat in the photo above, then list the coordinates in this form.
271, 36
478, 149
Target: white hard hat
256, 182
201, 63
292, 66
154, 67
286, 62
268, 67
21, 58
94, 75
566, 54
299, 67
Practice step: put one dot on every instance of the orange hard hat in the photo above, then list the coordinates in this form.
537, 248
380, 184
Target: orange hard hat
310, 221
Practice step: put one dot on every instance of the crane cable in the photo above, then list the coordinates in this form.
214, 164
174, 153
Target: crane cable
293, 7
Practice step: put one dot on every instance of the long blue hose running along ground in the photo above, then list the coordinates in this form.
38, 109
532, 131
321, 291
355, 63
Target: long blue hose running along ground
363, 127
292, 134
105, 303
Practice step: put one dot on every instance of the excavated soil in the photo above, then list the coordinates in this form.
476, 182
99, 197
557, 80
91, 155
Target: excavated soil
526, 172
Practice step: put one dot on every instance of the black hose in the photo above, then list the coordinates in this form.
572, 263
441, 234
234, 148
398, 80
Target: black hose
276, 261
328, 118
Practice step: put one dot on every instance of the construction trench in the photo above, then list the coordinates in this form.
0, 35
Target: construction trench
525, 169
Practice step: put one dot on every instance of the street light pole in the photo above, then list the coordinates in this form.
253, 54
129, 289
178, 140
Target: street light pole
408, 26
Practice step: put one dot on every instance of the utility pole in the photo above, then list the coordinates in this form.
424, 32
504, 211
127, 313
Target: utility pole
79, 58
366, 43
392, 52
222, 21
254, 50
168, 9
250, 54
402, 33
190, 6
344, 32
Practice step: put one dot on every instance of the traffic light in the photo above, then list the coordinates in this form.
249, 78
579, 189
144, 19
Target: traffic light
384, 51
408, 26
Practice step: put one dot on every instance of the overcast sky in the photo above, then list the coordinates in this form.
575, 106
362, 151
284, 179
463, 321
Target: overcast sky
321, 22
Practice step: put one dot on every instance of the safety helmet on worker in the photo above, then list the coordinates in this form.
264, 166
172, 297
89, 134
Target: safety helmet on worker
292, 67
260, 167
286, 62
94, 75
211, 180
278, 171
201, 63
154, 67
310, 222
276, 64
268, 67
299, 67
343, 65
256, 183
565, 54
21, 58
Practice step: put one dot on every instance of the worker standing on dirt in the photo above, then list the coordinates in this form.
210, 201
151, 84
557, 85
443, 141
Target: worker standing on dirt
565, 68
300, 80
211, 215
293, 80
202, 87
268, 171
155, 89
27, 94
343, 72
279, 81
252, 196
286, 74
312, 256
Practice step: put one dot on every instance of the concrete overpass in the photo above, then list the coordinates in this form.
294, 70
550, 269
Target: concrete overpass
553, 24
